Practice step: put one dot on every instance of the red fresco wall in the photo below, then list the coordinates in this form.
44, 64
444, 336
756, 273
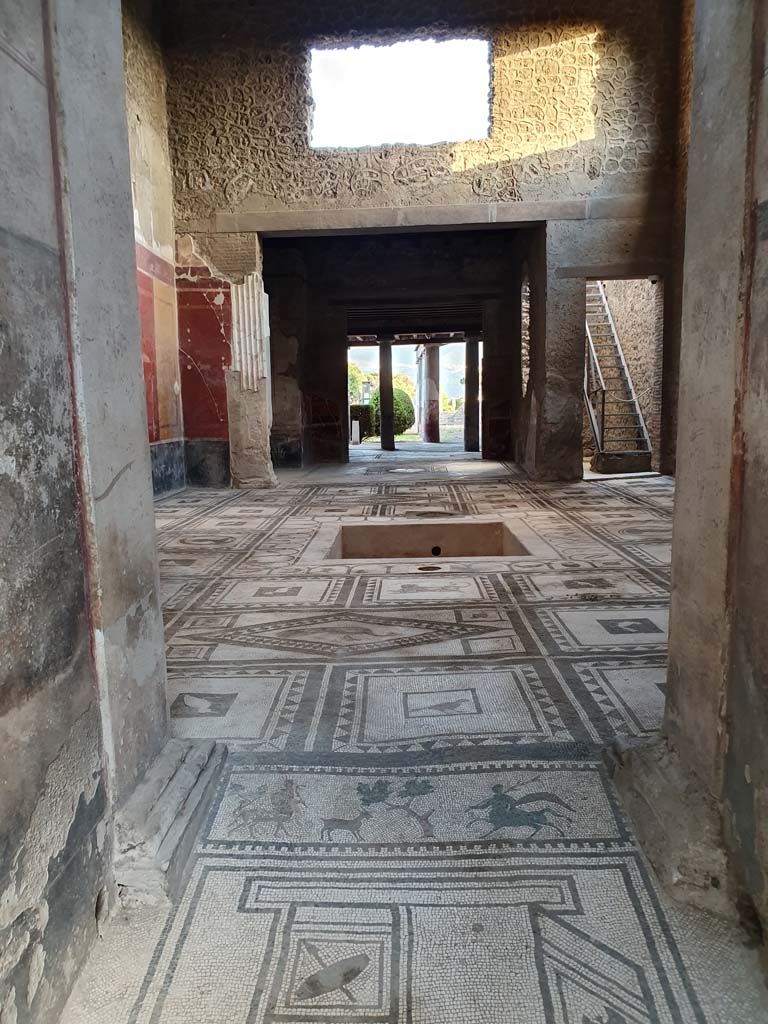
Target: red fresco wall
159, 344
205, 333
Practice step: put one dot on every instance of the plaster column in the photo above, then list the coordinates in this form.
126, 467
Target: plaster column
431, 394
472, 396
386, 397
419, 399
249, 392
501, 377
103, 322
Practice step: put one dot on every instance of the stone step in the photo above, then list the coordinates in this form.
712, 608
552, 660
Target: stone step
621, 462
156, 829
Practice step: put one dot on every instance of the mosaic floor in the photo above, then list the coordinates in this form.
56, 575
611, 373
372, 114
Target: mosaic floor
415, 825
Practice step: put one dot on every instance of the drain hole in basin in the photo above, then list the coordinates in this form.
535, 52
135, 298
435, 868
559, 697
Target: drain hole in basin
429, 568
437, 550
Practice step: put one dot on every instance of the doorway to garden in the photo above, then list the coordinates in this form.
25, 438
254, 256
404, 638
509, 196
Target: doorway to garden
414, 390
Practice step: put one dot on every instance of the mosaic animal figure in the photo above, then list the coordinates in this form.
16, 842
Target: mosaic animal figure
331, 977
284, 802
447, 706
245, 805
351, 825
421, 588
506, 811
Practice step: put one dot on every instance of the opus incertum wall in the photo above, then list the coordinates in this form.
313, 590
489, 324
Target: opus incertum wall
581, 107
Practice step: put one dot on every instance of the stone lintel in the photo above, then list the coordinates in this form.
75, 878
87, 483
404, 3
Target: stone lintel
408, 218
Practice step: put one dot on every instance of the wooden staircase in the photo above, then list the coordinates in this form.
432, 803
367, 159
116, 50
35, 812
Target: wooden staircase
621, 439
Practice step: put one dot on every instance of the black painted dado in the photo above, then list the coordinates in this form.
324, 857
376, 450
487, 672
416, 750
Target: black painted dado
168, 470
207, 463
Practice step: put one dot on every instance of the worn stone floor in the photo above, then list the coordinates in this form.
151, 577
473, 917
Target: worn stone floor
415, 825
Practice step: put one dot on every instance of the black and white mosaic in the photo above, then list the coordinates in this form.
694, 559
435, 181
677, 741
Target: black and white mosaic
414, 825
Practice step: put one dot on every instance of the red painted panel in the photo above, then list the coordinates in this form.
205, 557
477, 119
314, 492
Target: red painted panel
147, 320
205, 333
150, 263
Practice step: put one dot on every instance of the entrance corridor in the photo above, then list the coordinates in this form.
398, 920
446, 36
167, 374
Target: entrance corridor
415, 823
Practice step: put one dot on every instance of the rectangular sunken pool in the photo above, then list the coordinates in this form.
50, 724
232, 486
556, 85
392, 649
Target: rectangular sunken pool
438, 539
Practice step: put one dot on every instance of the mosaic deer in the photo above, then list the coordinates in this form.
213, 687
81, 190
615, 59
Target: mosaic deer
351, 825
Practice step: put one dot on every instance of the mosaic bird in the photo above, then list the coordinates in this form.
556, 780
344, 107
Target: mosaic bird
197, 704
446, 707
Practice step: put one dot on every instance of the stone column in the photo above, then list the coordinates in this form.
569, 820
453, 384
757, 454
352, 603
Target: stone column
501, 377
82, 673
431, 394
285, 281
717, 708
552, 449
249, 396
472, 396
324, 383
386, 398
706, 784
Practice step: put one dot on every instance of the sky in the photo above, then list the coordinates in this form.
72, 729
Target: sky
404, 361
419, 91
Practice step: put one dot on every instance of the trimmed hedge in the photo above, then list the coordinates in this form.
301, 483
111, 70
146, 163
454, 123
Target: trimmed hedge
405, 416
369, 415
364, 414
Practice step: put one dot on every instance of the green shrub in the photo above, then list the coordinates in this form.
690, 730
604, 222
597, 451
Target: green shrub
405, 416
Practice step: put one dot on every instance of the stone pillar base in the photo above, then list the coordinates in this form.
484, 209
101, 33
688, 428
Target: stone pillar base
250, 457
677, 823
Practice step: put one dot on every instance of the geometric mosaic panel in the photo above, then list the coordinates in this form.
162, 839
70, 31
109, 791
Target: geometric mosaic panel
631, 697
529, 943
384, 710
602, 628
257, 709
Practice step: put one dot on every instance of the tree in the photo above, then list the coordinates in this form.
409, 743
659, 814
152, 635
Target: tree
355, 379
405, 416
380, 792
405, 383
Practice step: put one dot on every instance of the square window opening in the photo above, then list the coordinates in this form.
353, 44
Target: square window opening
417, 92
